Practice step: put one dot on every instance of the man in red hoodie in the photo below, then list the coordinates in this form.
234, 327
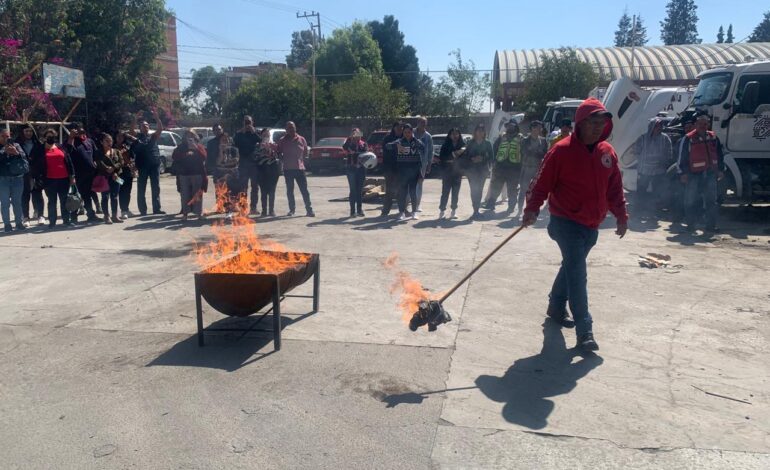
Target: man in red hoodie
581, 179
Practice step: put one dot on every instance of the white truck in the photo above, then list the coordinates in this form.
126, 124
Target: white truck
738, 98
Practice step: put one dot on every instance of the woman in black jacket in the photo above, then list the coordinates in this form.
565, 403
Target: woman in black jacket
58, 174
109, 164
33, 181
451, 178
475, 163
389, 170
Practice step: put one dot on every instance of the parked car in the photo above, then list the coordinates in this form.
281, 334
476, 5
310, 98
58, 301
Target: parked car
328, 155
438, 141
375, 144
166, 144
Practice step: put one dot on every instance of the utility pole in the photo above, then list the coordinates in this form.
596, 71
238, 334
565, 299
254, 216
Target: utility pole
633, 48
313, 28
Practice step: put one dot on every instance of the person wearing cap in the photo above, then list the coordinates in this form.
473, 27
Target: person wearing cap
688, 125
701, 165
409, 153
565, 130
507, 166
581, 180
533, 150
354, 146
653, 157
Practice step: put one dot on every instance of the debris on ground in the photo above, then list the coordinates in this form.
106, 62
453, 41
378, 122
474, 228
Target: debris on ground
721, 396
654, 260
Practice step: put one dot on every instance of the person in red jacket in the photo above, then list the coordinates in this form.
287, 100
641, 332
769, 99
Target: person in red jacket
581, 179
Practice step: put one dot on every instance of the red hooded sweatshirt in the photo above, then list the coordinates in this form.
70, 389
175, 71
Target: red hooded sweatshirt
580, 185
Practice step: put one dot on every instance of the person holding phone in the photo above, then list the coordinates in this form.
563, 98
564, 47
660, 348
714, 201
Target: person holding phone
13, 168
109, 163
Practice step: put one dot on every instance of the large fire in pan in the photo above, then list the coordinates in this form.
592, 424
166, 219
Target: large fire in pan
237, 248
410, 290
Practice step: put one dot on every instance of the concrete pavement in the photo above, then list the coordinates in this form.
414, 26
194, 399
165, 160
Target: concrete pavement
101, 370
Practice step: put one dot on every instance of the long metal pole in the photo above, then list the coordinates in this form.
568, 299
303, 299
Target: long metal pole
481, 263
633, 48
315, 47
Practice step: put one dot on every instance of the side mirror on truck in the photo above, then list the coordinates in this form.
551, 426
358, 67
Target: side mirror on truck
750, 98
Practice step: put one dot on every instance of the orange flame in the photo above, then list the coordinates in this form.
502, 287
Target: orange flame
198, 196
411, 290
237, 248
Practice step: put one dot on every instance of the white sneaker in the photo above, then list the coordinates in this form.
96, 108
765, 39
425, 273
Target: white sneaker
415, 216
441, 215
41, 220
26, 224
123, 216
453, 214
402, 217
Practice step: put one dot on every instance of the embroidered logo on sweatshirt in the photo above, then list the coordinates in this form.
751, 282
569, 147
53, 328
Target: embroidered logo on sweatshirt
607, 160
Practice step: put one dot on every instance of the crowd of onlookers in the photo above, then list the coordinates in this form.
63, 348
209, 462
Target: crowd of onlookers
95, 176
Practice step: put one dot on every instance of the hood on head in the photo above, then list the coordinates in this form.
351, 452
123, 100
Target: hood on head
586, 109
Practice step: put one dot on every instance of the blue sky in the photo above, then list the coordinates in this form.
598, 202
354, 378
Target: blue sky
434, 28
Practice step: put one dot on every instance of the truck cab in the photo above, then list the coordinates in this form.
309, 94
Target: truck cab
558, 110
738, 99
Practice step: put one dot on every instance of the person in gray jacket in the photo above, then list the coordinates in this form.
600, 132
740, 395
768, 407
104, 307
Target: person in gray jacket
653, 157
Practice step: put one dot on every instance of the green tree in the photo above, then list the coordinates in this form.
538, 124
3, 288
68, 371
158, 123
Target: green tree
396, 55
762, 32
301, 49
435, 99
681, 23
369, 97
272, 98
205, 95
721, 35
730, 37
562, 74
629, 34
348, 51
468, 88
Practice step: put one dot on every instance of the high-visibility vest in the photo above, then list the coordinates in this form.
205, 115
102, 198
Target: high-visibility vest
703, 152
509, 150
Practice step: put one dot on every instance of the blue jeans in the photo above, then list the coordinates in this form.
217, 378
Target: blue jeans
700, 198
408, 177
11, 190
571, 284
356, 179
153, 173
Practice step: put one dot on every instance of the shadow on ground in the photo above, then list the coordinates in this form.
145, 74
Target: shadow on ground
228, 351
530, 381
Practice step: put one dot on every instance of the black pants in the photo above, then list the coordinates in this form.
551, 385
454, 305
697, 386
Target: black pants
110, 200
35, 195
408, 176
57, 189
84, 184
298, 176
356, 179
476, 180
249, 172
391, 190
450, 183
508, 175
125, 192
268, 180
153, 173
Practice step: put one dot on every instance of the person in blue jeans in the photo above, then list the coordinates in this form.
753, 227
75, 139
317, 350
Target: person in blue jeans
356, 173
581, 179
13, 167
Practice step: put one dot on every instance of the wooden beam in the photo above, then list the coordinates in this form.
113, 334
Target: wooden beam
74, 107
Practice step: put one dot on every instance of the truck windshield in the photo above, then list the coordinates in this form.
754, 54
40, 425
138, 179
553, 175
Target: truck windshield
712, 89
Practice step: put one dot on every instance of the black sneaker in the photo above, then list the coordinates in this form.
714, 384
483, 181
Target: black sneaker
158, 213
310, 213
587, 342
560, 316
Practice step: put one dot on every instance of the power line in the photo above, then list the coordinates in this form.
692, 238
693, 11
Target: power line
234, 48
